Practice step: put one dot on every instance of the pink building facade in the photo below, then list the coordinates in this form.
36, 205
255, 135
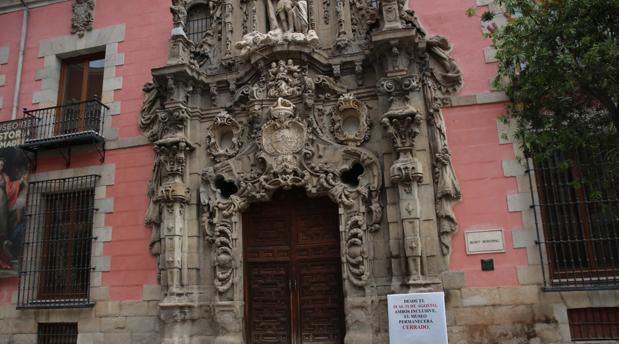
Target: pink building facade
500, 294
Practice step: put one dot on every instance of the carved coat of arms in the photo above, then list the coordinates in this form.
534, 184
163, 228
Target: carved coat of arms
283, 134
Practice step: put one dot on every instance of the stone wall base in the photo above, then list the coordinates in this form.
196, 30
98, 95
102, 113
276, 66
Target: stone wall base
514, 315
504, 315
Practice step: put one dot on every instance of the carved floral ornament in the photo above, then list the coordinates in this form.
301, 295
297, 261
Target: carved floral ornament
351, 123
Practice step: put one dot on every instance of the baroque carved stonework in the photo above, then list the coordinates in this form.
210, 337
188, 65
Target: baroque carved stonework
223, 138
284, 79
351, 123
283, 134
179, 13
292, 156
83, 16
279, 95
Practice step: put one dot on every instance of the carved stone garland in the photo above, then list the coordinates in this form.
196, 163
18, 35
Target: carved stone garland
289, 152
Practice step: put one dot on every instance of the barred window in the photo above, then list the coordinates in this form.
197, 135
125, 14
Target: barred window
55, 267
57, 333
197, 22
594, 323
579, 207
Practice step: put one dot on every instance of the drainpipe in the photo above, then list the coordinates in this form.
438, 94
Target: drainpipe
20, 61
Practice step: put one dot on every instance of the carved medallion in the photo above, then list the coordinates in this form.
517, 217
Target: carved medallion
223, 137
351, 124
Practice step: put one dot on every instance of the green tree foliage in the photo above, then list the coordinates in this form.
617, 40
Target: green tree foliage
559, 64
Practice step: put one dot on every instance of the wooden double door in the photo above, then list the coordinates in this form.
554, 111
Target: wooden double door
293, 280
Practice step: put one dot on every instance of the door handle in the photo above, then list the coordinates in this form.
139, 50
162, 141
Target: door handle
292, 284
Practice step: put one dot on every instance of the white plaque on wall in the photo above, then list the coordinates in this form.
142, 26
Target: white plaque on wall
417, 318
484, 241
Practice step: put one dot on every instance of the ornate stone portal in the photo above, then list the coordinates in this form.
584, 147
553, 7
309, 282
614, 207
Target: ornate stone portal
299, 103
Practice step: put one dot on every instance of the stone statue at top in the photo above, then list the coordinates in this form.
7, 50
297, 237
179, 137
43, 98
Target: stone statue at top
288, 15
288, 22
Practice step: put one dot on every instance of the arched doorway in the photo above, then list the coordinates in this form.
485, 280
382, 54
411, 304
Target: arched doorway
292, 268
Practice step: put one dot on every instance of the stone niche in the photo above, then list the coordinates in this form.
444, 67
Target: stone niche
338, 98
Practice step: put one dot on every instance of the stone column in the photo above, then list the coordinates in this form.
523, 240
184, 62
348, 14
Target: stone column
403, 122
178, 307
173, 196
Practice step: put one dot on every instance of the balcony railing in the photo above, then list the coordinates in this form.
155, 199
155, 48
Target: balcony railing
65, 126
69, 122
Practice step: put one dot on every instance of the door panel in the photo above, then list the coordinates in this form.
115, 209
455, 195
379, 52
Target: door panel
269, 239
269, 299
320, 301
293, 283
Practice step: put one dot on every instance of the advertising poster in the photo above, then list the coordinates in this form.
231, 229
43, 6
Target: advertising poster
14, 169
417, 318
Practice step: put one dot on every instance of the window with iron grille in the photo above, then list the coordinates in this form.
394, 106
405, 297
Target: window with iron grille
57, 333
579, 208
197, 22
594, 323
55, 267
